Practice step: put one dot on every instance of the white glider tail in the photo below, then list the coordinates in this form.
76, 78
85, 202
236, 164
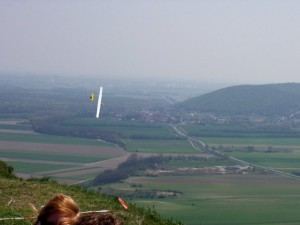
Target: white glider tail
99, 102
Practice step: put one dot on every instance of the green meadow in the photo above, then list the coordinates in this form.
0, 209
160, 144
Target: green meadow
51, 139
77, 177
52, 156
216, 141
279, 153
241, 131
29, 168
159, 146
14, 127
106, 123
200, 162
227, 199
126, 129
275, 160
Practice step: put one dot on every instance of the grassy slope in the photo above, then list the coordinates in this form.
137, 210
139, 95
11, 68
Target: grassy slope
39, 192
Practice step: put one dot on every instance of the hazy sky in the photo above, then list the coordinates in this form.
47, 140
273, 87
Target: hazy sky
242, 41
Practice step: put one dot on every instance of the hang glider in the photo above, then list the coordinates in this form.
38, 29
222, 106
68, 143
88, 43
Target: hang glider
92, 98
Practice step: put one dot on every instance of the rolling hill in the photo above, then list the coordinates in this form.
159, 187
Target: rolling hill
269, 100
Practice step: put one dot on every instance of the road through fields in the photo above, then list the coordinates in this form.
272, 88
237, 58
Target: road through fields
201, 146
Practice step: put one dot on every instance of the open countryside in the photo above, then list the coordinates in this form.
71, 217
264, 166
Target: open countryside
187, 110
66, 159
203, 199
191, 174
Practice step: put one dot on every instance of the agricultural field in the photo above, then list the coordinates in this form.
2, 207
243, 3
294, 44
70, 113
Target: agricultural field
246, 198
221, 199
72, 160
193, 186
48, 139
65, 159
243, 132
125, 129
159, 146
260, 143
286, 162
281, 154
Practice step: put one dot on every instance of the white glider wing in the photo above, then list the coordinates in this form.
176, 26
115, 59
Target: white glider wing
99, 102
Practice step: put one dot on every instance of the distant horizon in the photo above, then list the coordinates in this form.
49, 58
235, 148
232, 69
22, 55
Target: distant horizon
106, 78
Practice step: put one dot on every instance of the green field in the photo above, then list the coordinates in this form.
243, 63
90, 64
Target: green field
274, 160
35, 167
79, 178
50, 156
206, 200
202, 162
216, 141
230, 199
51, 139
31, 158
159, 146
125, 129
15, 127
241, 131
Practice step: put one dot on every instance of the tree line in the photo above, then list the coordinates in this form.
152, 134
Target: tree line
130, 167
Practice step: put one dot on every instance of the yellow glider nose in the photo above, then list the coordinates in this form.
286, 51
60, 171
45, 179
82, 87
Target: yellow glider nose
92, 97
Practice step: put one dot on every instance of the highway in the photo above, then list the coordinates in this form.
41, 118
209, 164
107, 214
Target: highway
201, 146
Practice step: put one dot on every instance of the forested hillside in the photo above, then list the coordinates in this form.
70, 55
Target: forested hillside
269, 100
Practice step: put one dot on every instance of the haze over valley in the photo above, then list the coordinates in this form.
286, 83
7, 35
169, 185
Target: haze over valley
200, 112
150, 136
